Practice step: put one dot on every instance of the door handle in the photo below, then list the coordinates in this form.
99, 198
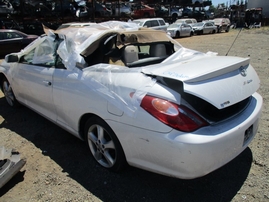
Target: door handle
47, 83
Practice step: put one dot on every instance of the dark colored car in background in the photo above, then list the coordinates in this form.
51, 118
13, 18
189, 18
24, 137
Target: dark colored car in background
13, 41
143, 11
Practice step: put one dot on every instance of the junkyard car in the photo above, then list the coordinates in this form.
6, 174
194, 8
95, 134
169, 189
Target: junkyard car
189, 21
177, 30
153, 23
14, 40
204, 28
137, 97
223, 24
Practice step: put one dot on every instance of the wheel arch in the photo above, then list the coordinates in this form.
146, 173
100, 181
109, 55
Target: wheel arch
2, 77
174, 15
82, 122
191, 33
177, 34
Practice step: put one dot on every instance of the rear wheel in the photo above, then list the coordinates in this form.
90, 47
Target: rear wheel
104, 145
8, 92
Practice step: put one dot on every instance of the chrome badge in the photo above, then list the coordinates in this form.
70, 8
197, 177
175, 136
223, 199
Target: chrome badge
243, 71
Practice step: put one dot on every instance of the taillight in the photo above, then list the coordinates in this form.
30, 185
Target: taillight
176, 116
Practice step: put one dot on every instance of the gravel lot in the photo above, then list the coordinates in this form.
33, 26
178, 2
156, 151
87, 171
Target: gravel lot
59, 166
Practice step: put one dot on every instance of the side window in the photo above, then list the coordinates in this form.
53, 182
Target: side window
59, 64
161, 22
28, 58
10, 35
147, 24
154, 23
14, 35
6, 35
43, 55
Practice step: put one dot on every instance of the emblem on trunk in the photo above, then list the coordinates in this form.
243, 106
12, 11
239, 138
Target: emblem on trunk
225, 103
243, 71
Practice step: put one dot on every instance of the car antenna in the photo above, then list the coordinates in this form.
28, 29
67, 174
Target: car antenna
234, 41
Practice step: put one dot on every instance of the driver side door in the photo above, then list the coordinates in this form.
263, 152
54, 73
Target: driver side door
34, 77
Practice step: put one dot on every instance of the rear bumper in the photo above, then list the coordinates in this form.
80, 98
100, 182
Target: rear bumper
192, 155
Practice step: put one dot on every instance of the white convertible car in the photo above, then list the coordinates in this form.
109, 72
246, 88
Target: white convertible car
138, 97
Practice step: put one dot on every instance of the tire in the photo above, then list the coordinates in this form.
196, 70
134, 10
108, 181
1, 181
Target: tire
174, 16
8, 93
228, 29
191, 34
213, 32
104, 145
177, 34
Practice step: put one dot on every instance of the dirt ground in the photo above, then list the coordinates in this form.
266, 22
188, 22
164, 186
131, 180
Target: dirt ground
59, 166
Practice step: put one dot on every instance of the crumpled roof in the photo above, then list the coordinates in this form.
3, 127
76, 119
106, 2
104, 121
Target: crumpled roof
84, 40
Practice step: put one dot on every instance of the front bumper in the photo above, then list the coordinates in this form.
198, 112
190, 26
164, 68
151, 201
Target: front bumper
198, 31
171, 33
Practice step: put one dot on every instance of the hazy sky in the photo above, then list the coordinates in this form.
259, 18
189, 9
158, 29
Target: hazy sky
216, 2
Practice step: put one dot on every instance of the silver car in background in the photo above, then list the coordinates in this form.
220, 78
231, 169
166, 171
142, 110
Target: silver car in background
204, 28
177, 30
153, 23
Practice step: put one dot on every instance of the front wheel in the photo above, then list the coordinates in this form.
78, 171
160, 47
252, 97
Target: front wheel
104, 145
8, 92
177, 34
191, 34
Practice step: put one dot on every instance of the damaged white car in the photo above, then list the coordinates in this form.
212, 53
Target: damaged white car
138, 97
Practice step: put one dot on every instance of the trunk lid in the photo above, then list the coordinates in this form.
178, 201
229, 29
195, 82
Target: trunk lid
219, 80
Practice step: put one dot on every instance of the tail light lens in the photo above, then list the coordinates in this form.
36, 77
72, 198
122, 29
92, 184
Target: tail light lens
176, 116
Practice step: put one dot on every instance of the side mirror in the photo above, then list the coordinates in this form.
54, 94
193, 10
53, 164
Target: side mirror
11, 58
